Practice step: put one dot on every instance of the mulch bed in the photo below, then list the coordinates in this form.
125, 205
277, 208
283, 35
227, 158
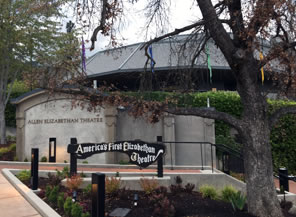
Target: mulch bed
185, 204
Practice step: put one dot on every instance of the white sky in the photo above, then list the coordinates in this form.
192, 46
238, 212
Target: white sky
182, 13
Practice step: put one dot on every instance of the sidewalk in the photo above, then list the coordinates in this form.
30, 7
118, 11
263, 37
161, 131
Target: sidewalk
12, 203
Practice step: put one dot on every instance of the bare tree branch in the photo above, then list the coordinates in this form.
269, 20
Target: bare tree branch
217, 31
273, 119
101, 26
275, 51
176, 32
209, 113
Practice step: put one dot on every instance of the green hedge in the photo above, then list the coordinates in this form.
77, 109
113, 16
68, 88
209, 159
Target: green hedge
18, 89
283, 136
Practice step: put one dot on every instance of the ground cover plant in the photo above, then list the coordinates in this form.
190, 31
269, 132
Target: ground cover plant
154, 200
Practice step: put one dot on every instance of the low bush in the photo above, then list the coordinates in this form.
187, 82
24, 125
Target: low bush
61, 200
189, 187
148, 185
208, 192
161, 204
238, 201
24, 175
227, 193
76, 210
43, 159
53, 195
68, 206
87, 189
112, 185
74, 182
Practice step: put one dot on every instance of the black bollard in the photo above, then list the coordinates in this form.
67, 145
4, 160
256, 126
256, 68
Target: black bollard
159, 161
98, 195
34, 168
73, 159
284, 179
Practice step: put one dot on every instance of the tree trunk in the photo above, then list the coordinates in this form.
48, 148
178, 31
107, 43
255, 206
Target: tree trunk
2, 124
261, 194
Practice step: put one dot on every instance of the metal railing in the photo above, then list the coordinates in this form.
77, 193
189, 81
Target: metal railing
225, 150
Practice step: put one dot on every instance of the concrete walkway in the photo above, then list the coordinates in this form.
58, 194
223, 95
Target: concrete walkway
12, 203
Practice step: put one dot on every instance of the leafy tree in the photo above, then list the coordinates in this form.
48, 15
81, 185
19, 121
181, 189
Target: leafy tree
32, 43
237, 27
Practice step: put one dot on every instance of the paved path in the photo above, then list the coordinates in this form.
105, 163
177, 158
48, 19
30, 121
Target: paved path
12, 204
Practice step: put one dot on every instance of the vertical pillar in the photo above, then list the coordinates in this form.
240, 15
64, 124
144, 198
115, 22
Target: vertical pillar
110, 121
169, 135
34, 168
160, 161
73, 159
284, 180
98, 195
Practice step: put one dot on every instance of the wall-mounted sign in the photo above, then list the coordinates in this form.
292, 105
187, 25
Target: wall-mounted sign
140, 153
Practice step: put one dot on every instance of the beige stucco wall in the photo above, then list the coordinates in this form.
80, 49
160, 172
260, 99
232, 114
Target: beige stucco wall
35, 112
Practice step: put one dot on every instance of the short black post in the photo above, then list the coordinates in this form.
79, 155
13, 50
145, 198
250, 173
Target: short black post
284, 179
34, 168
73, 159
52, 150
160, 160
98, 195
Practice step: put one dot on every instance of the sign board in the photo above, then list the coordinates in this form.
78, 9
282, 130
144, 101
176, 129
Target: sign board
140, 153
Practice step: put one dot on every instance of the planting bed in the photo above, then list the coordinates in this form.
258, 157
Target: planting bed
159, 203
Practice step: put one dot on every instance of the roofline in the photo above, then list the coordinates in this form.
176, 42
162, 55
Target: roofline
158, 69
27, 95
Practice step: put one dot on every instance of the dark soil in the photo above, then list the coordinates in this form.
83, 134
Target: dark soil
185, 204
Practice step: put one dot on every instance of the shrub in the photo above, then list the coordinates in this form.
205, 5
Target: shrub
61, 200
238, 201
54, 179
162, 205
68, 206
26, 160
47, 191
43, 159
209, 192
148, 185
228, 192
74, 182
76, 210
87, 189
189, 187
86, 214
112, 185
85, 162
24, 175
164, 208
64, 173
53, 196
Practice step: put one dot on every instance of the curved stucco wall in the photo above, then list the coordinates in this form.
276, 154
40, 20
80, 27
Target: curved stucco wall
59, 119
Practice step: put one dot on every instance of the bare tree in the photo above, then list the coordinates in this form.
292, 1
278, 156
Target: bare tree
237, 27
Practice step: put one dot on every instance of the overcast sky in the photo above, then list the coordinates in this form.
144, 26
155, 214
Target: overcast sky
182, 13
